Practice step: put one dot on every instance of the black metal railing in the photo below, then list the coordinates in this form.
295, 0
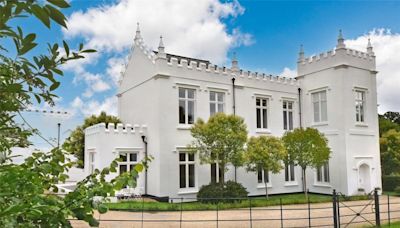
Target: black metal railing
338, 213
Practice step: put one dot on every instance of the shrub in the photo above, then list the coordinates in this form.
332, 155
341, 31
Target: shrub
397, 189
217, 192
390, 182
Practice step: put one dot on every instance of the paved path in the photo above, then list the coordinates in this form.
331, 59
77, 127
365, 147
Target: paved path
293, 215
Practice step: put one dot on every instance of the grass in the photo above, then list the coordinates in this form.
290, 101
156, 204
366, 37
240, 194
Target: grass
392, 225
197, 206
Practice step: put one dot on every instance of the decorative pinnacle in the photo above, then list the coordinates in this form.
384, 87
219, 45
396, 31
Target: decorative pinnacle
161, 44
161, 49
369, 47
235, 64
340, 43
138, 37
301, 54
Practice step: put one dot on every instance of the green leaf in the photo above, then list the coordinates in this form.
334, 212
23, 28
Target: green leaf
59, 3
102, 208
26, 48
30, 38
139, 168
41, 14
37, 98
66, 48
56, 15
88, 51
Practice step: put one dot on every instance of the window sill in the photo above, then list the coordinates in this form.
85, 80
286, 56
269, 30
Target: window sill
360, 124
291, 183
184, 191
324, 185
263, 131
325, 123
260, 186
184, 126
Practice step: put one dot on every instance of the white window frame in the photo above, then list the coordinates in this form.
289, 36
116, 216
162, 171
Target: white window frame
261, 107
319, 101
128, 161
287, 116
92, 161
288, 173
320, 171
216, 103
186, 99
261, 184
187, 164
360, 113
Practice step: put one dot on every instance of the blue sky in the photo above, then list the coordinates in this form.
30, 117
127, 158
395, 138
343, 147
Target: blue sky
266, 36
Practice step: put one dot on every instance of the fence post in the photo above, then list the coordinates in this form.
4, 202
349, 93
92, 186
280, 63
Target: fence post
217, 213
180, 219
388, 208
280, 203
251, 221
377, 212
334, 206
142, 211
309, 212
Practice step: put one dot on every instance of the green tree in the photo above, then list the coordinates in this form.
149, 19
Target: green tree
75, 143
306, 148
26, 190
220, 140
390, 152
265, 153
386, 124
392, 116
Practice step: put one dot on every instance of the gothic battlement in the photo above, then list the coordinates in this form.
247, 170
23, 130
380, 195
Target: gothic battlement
332, 53
116, 129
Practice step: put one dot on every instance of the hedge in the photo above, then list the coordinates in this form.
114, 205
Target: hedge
389, 183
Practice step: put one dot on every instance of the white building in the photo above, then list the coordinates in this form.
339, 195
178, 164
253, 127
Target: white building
162, 94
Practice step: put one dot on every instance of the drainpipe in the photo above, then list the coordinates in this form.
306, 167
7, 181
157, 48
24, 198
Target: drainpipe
234, 112
144, 139
300, 120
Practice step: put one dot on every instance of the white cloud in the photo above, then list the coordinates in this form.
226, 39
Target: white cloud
387, 50
114, 68
95, 83
92, 106
287, 72
189, 29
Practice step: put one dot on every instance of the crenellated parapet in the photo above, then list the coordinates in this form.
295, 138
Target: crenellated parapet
120, 128
223, 71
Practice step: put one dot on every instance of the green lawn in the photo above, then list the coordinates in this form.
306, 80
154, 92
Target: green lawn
392, 225
196, 206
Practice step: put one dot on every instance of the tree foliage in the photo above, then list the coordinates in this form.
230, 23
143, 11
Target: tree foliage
27, 190
306, 148
265, 153
220, 140
75, 143
390, 152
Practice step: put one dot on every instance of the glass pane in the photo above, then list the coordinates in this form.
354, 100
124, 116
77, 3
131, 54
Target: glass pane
284, 120
133, 157
221, 97
286, 173
362, 112
324, 112
264, 102
315, 97
182, 112
326, 172
212, 96
219, 173
191, 157
190, 112
182, 92
191, 175
284, 104
290, 105
258, 102
266, 176
319, 174
131, 167
91, 157
182, 176
259, 176
220, 108
212, 109
213, 173
123, 157
292, 172
323, 95
122, 169
182, 157
265, 119
290, 120
316, 112
190, 93
258, 112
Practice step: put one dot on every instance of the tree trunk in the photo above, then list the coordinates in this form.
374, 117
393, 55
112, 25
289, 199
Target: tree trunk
305, 182
266, 189
235, 175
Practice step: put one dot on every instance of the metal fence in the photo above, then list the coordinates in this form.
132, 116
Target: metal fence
339, 213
